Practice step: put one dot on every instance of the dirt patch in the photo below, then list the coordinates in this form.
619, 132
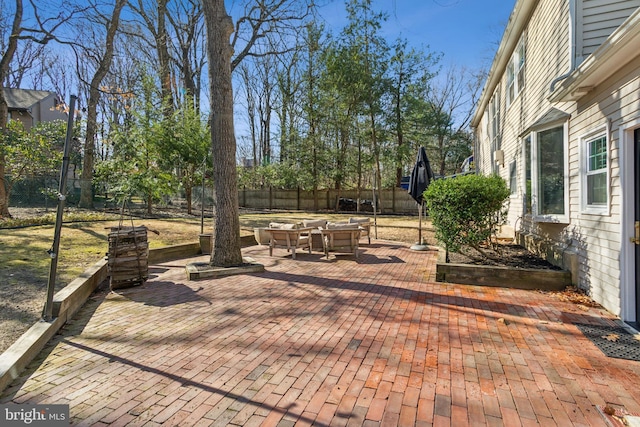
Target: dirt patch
502, 255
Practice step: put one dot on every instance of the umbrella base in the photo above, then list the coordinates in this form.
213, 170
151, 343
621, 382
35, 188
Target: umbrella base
419, 247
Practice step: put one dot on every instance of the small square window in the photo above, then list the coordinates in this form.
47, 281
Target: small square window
595, 174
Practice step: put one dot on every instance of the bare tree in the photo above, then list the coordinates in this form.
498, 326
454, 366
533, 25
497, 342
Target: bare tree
262, 17
24, 64
103, 58
55, 71
188, 36
154, 15
451, 102
264, 71
311, 95
288, 107
250, 93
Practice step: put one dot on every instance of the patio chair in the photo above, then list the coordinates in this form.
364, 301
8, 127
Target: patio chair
316, 225
365, 226
342, 238
289, 237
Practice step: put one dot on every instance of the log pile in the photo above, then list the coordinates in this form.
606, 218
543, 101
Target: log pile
128, 257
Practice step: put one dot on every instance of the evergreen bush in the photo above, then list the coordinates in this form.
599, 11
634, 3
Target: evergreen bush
467, 210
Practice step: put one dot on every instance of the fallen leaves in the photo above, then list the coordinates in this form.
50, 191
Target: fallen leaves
576, 296
609, 410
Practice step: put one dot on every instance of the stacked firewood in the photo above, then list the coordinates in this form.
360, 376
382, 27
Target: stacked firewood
128, 257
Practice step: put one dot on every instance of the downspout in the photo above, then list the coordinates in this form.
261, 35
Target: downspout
572, 45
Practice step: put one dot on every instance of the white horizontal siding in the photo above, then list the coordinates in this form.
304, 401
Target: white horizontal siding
614, 102
547, 57
595, 238
598, 19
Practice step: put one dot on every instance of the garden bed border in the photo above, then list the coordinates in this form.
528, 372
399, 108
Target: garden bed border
506, 277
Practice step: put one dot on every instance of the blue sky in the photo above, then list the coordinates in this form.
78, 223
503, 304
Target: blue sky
467, 32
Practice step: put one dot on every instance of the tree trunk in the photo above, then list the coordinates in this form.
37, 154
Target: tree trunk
86, 178
188, 193
226, 237
4, 108
4, 193
400, 134
376, 158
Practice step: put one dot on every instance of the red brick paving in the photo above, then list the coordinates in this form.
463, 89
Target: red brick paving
334, 342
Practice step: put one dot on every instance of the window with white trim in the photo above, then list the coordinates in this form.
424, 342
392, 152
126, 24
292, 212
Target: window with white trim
595, 172
494, 127
515, 72
527, 174
549, 174
513, 178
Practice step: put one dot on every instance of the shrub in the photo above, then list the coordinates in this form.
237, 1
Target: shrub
466, 210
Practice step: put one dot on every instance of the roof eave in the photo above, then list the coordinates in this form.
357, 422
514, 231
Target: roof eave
517, 22
622, 46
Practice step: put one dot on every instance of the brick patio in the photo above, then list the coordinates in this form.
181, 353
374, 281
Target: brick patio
329, 343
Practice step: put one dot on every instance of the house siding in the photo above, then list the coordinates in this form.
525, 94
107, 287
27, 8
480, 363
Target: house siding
543, 48
599, 235
594, 240
597, 19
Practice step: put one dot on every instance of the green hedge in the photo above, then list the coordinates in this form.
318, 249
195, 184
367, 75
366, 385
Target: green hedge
466, 210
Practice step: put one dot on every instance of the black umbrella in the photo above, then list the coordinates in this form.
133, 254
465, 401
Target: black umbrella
421, 177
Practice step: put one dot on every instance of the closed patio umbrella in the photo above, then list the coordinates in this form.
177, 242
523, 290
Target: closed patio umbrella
421, 177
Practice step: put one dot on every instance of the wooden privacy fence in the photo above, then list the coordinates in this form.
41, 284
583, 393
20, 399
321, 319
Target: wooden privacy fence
395, 200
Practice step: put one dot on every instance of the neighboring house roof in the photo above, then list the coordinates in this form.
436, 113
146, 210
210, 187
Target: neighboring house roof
622, 46
517, 22
24, 99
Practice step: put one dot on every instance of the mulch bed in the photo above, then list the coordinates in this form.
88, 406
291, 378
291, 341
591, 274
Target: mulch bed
504, 255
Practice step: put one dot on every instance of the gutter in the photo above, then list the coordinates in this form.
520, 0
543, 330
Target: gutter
617, 51
517, 23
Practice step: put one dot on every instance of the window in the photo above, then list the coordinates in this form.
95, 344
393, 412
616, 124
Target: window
494, 127
515, 72
549, 177
513, 178
595, 172
527, 174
